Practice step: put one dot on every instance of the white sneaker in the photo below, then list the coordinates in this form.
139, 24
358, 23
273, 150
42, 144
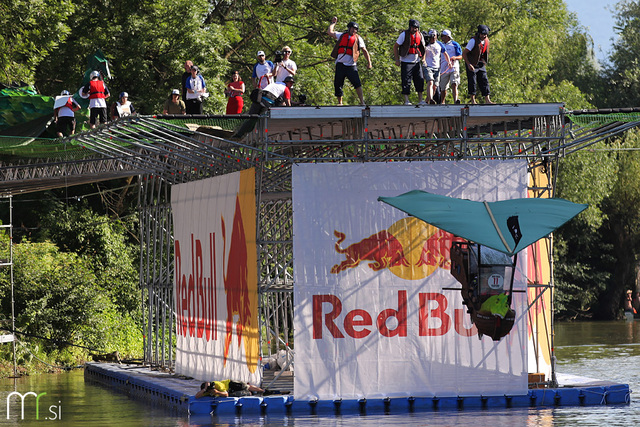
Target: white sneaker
422, 102
407, 103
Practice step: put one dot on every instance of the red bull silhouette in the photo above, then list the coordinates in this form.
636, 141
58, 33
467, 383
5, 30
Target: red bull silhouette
236, 280
382, 249
436, 250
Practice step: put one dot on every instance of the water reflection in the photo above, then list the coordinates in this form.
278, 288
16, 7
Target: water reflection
601, 350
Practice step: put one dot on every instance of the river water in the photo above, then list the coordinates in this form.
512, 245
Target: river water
600, 350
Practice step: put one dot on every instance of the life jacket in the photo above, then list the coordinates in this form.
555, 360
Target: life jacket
413, 43
72, 105
479, 53
123, 109
96, 89
346, 45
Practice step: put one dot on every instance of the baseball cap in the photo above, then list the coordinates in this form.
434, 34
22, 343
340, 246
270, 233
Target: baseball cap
446, 33
413, 23
194, 68
432, 32
483, 29
288, 79
260, 53
123, 94
175, 92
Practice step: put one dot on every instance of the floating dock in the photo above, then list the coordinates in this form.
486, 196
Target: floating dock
177, 392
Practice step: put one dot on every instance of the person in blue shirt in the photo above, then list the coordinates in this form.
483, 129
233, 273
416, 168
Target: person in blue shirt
262, 72
450, 71
196, 91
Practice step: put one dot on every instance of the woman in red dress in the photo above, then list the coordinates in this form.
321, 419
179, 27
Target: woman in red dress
234, 91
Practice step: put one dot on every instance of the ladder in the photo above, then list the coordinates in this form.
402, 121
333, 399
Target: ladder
6, 260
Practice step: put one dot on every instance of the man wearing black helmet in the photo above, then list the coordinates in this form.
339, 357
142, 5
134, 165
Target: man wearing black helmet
346, 52
408, 50
476, 57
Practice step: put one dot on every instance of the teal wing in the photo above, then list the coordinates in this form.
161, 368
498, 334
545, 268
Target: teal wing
508, 226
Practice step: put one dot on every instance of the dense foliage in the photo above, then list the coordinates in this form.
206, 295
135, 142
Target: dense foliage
597, 254
75, 285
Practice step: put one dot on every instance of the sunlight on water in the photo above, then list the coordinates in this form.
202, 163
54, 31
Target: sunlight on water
599, 350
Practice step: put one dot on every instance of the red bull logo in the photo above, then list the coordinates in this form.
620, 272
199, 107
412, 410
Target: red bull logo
241, 300
382, 249
411, 249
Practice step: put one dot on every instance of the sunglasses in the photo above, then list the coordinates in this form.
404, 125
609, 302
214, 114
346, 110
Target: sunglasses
286, 51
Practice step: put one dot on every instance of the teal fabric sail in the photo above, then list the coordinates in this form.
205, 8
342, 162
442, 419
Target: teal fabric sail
507, 226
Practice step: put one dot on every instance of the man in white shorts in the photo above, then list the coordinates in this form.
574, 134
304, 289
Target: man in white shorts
450, 71
431, 63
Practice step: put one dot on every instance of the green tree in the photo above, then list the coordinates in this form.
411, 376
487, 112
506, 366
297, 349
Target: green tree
583, 262
29, 30
147, 43
61, 309
55, 293
624, 74
102, 241
597, 254
622, 227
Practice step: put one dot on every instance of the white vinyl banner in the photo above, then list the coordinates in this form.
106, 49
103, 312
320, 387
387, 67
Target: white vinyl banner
215, 286
369, 324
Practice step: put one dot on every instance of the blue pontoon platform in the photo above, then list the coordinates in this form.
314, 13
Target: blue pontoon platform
179, 393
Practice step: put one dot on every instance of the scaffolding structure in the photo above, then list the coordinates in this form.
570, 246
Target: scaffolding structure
166, 150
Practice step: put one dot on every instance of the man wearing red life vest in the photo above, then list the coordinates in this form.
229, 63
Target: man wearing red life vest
346, 52
408, 50
97, 92
476, 56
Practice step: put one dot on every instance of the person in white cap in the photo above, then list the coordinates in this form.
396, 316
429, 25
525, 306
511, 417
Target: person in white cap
450, 71
174, 105
262, 71
431, 63
123, 107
